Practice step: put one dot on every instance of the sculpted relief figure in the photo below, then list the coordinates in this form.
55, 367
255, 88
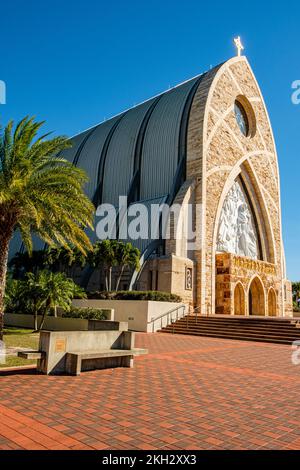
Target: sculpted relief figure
236, 232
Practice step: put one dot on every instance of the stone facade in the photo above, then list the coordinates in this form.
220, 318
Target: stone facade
234, 271
169, 274
217, 154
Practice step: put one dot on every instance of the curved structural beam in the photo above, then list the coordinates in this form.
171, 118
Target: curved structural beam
97, 198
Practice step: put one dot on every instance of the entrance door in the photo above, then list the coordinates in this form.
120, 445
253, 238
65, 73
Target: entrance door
239, 300
272, 303
256, 298
250, 302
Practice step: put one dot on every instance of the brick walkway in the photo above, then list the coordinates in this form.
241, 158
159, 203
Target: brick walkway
188, 393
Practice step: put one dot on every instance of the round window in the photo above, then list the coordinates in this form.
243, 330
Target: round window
245, 116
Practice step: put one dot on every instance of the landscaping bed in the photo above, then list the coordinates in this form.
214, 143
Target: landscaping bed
18, 338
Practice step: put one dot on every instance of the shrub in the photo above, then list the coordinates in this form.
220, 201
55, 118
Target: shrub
295, 307
135, 295
86, 313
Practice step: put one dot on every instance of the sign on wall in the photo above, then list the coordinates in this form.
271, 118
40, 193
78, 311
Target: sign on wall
188, 278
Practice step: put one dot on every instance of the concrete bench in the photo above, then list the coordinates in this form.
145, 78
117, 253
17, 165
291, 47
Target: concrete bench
31, 355
74, 358
75, 351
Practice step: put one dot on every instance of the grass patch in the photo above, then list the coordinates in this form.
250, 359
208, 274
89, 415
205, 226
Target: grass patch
14, 361
19, 338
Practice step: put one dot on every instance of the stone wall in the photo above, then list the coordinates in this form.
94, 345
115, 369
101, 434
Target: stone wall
232, 270
217, 153
168, 274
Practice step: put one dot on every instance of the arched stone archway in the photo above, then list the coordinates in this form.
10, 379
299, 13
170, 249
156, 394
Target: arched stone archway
272, 310
239, 300
256, 299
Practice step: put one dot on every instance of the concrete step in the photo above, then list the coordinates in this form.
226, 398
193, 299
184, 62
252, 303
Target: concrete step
228, 319
249, 329
231, 336
199, 325
274, 324
262, 332
290, 337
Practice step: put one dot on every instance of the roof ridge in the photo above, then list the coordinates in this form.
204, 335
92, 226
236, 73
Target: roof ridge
143, 102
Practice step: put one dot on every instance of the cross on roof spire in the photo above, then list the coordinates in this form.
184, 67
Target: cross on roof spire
238, 45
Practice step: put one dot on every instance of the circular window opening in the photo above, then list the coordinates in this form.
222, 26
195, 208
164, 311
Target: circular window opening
245, 116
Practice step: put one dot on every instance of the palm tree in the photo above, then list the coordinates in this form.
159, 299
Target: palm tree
40, 193
26, 262
56, 290
31, 295
104, 254
13, 299
41, 294
126, 256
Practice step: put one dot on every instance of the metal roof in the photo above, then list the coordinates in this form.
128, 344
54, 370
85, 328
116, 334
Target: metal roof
144, 142
140, 153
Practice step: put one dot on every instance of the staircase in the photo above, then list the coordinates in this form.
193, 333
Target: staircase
263, 329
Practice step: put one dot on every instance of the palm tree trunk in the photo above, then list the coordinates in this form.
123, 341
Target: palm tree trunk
43, 320
109, 277
106, 280
4, 247
55, 311
35, 320
119, 278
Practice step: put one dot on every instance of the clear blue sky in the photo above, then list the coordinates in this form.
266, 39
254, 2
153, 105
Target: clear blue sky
72, 63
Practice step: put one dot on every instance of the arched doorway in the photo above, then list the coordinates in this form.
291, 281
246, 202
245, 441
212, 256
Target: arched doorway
256, 298
239, 300
272, 303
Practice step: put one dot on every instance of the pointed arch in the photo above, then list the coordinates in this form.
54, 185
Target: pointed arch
243, 169
239, 299
272, 303
256, 297
261, 212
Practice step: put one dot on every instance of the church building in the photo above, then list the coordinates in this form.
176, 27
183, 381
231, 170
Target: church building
207, 142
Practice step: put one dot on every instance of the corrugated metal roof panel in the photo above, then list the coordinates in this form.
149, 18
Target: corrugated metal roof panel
120, 155
70, 153
160, 150
142, 243
90, 154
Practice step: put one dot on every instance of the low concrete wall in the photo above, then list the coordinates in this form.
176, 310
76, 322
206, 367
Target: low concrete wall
56, 344
51, 323
56, 324
138, 313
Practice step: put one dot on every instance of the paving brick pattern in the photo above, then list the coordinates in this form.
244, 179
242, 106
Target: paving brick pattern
188, 393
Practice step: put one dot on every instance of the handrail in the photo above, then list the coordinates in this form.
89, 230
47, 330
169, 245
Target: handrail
168, 314
195, 310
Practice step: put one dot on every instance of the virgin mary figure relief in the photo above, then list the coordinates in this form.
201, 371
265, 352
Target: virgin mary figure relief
236, 232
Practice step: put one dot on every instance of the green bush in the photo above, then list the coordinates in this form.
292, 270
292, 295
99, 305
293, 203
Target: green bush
86, 313
296, 308
135, 295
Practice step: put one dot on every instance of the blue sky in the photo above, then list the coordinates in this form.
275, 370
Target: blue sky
75, 63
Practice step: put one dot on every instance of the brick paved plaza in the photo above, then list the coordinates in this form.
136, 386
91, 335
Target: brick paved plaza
188, 393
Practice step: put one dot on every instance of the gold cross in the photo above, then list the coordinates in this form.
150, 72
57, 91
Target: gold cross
239, 45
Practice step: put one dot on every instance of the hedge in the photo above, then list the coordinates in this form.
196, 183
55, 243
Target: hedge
296, 308
134, 295
86, 313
